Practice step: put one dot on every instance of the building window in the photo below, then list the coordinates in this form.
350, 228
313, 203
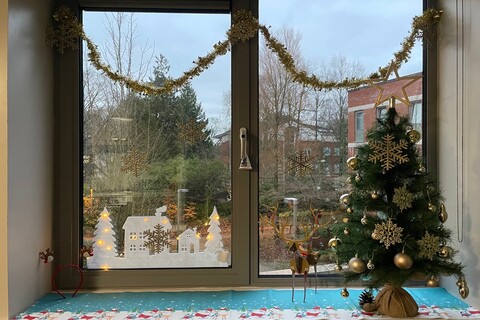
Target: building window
307, 152
133, 248
416, 116
336, 151
381, 112
142, 248
359, 126
133, 236
326, 151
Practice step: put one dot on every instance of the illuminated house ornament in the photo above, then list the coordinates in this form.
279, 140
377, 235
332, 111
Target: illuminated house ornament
139, 234
387, 93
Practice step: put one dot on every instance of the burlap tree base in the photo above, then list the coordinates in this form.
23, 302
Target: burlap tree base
393, 302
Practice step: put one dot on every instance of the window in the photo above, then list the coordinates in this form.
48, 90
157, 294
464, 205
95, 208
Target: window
326, 151
359, 126
336, 151
416, 116
381, 112
123, 165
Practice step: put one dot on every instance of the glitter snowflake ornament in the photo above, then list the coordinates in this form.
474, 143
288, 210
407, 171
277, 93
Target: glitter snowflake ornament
388, 153
388, 233
429, 246
158, 239
403, 198
135, 162
300, 164
192, 131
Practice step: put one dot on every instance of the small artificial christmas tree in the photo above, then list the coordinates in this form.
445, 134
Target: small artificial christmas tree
214, 239
393, 229
104, 240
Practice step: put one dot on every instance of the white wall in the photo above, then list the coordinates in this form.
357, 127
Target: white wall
452, 133
3, 160
30, 151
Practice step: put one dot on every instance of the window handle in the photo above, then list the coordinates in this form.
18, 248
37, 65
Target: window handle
244, 160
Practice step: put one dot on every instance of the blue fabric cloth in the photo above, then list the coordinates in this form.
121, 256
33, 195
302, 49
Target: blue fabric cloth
231, 299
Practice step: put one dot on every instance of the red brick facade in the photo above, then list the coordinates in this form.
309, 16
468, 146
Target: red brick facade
363, 99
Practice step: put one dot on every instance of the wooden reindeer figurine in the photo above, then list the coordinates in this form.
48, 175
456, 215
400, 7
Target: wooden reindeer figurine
303, 257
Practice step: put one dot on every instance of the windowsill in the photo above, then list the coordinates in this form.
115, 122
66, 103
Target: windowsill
220, 303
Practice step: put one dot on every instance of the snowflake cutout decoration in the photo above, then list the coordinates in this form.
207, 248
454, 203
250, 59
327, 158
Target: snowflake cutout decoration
135, 162
158, 239
388, 152
429, 246
67, 31
300, 163
402, 198
388, 233
192, 131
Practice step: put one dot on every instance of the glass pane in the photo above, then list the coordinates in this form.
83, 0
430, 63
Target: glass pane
307, 135
156, 172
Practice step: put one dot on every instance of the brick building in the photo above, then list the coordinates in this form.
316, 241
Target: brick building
362, 115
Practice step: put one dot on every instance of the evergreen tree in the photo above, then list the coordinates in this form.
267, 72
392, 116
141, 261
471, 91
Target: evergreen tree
394, 228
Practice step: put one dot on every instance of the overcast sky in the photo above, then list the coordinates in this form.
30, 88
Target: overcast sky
367, 31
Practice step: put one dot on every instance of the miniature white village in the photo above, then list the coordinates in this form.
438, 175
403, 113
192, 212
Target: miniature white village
147, 244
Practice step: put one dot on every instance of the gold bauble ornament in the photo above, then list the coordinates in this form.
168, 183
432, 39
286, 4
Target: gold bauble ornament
346, 232
345, 220
338, 267
332, 243
349, 210
463, 289
344, 293
430, 188
375, 236
370, 265
364, 220
403, 261
445, 252
357, 265
431, 207
413, 136
375, 195
349, 180
443, 215
345, 199
432, 282
422, 169
352, 163
358, 178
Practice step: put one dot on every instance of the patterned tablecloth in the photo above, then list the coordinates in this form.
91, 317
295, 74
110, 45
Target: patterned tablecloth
434, 303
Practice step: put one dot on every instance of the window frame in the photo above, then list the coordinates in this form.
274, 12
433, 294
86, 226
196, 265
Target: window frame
359, 136
67, 189
67, 227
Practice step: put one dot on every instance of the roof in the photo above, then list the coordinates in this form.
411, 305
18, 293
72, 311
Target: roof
146, 222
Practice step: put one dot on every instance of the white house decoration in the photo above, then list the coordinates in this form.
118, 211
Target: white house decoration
147, 244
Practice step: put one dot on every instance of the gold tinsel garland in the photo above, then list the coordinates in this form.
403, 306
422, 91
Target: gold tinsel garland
244, 27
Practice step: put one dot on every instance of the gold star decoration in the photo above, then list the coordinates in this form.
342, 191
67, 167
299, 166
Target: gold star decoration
192, 131
429, 246
388, 152
402, 198
388, 233
135, 162
300, 163
397, 91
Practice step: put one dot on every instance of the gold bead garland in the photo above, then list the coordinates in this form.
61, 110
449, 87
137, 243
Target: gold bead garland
244, 27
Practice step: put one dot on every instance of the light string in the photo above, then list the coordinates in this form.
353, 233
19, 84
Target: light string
244, 27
